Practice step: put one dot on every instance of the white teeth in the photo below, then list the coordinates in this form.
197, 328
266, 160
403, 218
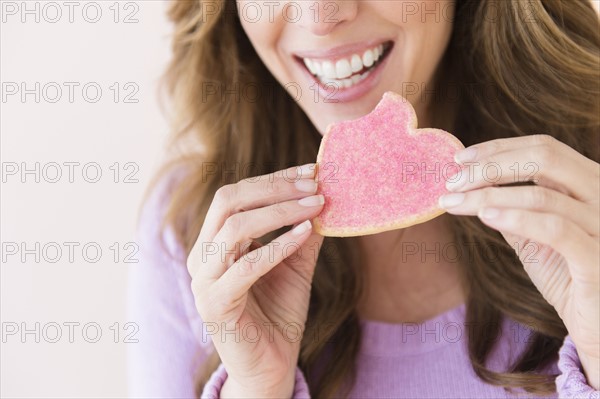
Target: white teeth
317, 67
344, 83
309, 65
356, 63
367, 58
329, 70
342, 68
328, 81
343, 73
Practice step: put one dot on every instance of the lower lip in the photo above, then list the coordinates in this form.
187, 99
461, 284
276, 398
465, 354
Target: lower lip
336, 95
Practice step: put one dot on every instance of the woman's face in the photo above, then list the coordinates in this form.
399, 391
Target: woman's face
337, 58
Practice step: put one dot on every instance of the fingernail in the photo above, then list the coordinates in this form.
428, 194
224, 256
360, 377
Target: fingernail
467, 155
450, 200
489, 213
314, 200
306, 185
301, 228
307, 170
457, 181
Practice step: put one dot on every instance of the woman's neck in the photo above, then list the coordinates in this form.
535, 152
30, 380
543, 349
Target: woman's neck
412, 274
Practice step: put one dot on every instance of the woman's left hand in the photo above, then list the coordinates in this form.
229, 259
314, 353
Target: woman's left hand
554, 225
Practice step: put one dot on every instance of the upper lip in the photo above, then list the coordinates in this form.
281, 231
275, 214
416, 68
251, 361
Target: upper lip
342, 51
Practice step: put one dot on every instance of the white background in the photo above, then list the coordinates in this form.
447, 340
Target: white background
105, 212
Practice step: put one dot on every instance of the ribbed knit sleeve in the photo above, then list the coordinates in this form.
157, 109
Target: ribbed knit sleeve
571, 383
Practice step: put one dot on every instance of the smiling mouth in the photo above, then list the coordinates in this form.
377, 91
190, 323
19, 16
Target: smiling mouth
346, 72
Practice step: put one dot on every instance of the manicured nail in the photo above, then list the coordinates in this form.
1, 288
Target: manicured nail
457, 181
306, 185
489, 213
451, 200
306, 171
314, 200
301, 228
467, 155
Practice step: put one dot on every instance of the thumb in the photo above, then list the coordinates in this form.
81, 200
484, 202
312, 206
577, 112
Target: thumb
546, 268
307, 253
530, 253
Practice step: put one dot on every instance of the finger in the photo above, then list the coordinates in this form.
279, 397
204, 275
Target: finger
239, 229
240, 277
307, 255
530, 158
535, 198
291, 183
553, 230
487, 148
251, 193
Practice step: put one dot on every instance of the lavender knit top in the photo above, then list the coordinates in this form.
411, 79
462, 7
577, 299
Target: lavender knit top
408, 360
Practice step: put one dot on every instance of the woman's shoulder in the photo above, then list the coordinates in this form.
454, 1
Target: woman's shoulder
162, 258
154, 207
161, 187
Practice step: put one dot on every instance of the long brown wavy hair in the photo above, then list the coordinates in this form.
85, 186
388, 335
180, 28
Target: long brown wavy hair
540, 57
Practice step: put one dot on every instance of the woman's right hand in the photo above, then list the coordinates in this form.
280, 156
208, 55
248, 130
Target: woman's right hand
255, 298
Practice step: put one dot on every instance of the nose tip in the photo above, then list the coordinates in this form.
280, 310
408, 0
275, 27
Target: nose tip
323, 16
322, 29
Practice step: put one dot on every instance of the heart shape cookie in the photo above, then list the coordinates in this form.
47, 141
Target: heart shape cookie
380, 172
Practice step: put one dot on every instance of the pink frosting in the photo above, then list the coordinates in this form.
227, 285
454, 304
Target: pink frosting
381, 169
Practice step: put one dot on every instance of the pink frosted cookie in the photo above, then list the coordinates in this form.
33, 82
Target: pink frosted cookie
380, 172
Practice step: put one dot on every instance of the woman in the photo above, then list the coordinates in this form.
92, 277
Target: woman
254, 86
